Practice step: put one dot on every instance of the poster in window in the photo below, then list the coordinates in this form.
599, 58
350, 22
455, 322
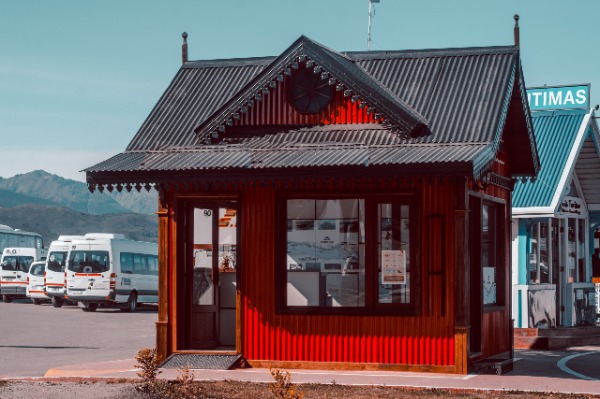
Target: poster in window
489, 285
393, 267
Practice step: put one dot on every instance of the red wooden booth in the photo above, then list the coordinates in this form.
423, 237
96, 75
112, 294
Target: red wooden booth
333, 210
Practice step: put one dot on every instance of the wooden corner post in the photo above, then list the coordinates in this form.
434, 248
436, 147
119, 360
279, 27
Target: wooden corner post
461, 285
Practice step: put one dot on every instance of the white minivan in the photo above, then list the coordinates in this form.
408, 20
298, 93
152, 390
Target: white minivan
35, 283
111, 270
14, 264
54, 282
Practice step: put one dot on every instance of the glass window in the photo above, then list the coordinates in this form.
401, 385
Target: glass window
581, 250
393, 251
57, 261
88, 261
540, 251
139, 264
17, 263
126, 263
491, 244
37, 270
152, 265
347, 253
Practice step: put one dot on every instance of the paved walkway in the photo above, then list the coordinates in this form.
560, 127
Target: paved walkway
576, 370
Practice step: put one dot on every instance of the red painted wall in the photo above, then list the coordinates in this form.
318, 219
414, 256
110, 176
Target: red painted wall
426, 339
274, 109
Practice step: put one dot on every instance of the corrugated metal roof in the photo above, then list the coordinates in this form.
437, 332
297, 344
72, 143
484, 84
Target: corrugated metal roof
588, 167
196, 92
555, 134
461, 94
317, 146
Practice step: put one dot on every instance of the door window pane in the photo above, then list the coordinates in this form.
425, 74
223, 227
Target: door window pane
227, 239
203, 288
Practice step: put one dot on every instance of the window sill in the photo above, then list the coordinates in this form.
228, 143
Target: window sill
310, 311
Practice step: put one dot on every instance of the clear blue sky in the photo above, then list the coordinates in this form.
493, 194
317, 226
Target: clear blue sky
78, 77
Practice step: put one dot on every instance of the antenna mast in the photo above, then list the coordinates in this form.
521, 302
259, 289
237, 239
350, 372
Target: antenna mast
371, 15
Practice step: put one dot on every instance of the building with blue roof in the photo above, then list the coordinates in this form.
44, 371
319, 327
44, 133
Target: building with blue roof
556, 214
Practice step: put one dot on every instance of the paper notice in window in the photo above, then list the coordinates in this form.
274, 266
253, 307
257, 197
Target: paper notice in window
393, 267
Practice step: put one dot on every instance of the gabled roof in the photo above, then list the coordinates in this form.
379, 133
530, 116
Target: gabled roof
449, 110
560, 136
339, 70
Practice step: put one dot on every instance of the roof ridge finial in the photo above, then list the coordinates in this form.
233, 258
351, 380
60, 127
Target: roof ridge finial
517, 35
184, 50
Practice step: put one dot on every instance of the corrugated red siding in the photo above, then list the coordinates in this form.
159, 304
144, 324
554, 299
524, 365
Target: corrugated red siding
427, 339
275, 109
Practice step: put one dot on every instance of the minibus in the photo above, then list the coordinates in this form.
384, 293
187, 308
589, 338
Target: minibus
54, 281
35, 283
110, 270
14, 266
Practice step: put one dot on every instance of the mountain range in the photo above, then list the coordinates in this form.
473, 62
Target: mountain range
52, 205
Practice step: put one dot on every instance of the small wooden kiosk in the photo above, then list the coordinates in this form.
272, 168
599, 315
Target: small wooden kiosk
336, 210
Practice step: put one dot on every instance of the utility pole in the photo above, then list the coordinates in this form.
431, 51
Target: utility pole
371, 15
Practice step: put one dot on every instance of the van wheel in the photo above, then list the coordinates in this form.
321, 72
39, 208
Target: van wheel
131, 304
90, 307
57, 302
36, 301
6, 299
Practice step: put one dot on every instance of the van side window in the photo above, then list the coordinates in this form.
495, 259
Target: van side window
139, 264
153, 265
126, 263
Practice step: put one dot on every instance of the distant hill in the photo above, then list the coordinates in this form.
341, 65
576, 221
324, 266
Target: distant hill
9, 199
52, 205
42, 188
52, 221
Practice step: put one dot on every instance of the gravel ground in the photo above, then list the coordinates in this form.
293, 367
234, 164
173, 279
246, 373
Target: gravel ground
66, 390
244, 390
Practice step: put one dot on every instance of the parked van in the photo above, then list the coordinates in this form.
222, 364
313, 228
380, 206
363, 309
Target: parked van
35, 283
54, 282
109, 269
15, 264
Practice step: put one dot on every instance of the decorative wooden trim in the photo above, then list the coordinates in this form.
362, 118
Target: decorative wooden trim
350, 366
497, 180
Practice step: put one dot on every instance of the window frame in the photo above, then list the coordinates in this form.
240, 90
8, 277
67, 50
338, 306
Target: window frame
500, 232
371, 290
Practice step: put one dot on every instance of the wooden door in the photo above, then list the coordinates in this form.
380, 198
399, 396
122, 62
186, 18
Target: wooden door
210, 247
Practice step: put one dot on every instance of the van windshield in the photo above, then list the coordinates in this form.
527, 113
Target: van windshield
88, 261
18, 263
56, 261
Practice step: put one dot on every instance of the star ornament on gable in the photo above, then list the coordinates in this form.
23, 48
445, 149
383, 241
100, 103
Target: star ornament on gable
308, 93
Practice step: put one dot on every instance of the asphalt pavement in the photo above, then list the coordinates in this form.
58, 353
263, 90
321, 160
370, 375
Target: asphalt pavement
45, 343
